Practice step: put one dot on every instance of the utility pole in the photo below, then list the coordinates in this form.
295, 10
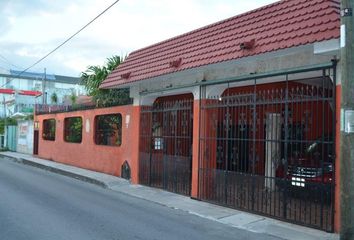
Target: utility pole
347, 122
44, 95
5, 123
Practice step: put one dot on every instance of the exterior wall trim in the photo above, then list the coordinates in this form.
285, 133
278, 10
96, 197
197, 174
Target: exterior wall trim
248, 77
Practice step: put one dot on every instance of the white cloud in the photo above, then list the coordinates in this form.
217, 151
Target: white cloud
30, 29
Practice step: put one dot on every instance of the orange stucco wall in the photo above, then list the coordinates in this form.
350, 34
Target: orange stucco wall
87, 154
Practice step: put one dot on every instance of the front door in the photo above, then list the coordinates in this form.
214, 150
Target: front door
35, 142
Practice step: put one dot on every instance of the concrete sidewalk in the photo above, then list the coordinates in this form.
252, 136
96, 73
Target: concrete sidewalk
238, 219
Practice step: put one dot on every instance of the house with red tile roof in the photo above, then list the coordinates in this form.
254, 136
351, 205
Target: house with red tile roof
274, 28
240, 113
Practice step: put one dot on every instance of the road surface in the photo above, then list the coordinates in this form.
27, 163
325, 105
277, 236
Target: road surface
36, 204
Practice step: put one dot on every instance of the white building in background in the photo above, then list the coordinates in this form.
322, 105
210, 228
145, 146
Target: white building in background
19, 93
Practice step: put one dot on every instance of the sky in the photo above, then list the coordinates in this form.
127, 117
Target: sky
32, 28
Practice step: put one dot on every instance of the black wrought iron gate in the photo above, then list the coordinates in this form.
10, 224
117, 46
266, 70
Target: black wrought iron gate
269, 148
166, 145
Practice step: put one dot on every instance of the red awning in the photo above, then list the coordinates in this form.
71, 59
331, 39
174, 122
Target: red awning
21, 92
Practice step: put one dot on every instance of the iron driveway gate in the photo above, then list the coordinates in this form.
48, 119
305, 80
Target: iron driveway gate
268, 148
166, 145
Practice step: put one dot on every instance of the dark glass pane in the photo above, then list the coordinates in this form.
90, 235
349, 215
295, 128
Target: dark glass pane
49, 129
73, 129
108, 130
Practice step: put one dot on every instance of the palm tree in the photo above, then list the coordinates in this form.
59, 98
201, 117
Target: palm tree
95, 75
113, 62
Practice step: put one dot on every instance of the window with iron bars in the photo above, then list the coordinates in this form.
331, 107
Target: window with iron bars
73, 129
108, 129
49, 129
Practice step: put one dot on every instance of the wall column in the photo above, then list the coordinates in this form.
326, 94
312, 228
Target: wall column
135, 131
195, 144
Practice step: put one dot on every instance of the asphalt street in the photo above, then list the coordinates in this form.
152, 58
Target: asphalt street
36, 204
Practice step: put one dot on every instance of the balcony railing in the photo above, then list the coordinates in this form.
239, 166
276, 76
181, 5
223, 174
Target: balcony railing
47, 108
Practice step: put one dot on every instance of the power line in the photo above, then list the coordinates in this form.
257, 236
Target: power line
3, 68
67, 40
8, 62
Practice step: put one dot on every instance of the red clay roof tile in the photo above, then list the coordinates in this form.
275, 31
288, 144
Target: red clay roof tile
280, 25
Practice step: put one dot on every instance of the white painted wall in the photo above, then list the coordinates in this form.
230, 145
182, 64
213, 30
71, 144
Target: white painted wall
25, 136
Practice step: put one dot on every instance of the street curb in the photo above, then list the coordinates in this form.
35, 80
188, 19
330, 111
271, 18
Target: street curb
56, 170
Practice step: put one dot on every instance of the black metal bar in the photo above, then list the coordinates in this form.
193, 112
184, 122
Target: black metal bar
175, 120
334, 157
286, 136
41, 109
322, 148
227, 134
254, 116
151, 146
